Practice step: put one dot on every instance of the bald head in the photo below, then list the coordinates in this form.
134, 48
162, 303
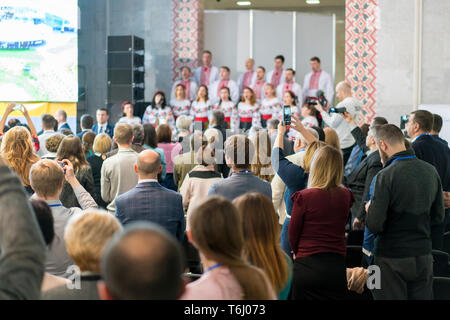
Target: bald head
249, 64
148, 164
343, 90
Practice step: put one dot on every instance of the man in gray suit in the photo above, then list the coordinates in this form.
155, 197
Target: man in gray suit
239, 151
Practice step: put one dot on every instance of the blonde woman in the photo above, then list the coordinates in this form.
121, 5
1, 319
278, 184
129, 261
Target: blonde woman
102, 145
18, 152
317, 230
332, 138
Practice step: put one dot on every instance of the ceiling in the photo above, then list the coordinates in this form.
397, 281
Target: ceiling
272, 4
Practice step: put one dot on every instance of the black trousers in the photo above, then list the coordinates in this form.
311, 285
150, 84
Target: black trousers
320, 276
245, 125
405, 278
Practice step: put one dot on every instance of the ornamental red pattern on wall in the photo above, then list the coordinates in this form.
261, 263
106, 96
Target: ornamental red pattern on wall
361, 24
187, 32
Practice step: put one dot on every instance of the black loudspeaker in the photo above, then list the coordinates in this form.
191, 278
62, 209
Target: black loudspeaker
126, 72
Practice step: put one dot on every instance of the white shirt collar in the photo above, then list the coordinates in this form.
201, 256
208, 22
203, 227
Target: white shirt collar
147, 180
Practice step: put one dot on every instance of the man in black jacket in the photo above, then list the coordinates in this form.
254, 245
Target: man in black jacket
360, 179
405, 210
357, 133
426, 148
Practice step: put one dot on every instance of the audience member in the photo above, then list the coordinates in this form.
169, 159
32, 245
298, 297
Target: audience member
47, 180
332, 138
151, 143
261, 241
52, 145
102, 145
71, 149
138, 139
239, 152
357, 132
88, 143
118, 175
150, 201
86, 124
86, 237
216, 231
171, 150
183, 125
437, 126
21, 243
404, 215
142, 263
102, 125
272, 128
48, 126
61, 118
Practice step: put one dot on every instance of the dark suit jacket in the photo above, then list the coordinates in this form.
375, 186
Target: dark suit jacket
360, 139
149, 201
359, 182
109, 130
81, 134
65, 126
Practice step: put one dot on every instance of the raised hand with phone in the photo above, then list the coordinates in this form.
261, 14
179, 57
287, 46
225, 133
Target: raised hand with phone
19, 107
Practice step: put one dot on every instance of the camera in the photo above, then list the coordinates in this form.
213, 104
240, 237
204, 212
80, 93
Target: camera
286, 115
338, 110
403, 121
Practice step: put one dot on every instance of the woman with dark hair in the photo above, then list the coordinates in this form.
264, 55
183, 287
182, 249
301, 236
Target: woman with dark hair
72, 150
151, 143
88, 142
171, 150
159, 112
216, 231
128, 114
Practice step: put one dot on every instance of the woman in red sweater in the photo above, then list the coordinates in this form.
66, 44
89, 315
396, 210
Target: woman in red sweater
317, 230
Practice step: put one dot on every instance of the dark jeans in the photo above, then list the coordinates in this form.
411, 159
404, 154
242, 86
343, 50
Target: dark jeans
169, 183
346, 153
321, 276
405, 278
284, 238
245, 125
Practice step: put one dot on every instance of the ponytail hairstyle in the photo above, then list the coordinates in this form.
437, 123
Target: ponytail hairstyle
217, 233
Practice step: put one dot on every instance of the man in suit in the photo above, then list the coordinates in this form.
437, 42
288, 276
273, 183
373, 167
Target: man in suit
86, 124
149, 201
61, 117
426, 148
102, 125
239, 151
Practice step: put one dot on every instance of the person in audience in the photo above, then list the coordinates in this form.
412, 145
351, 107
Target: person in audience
248, 110
180, 104
21, 242
138, 139
71, 149
360, 179
290, 85
316, 237
128, 114
405, 216
184, 163
272, 129
183, 125
357, 132
47, 179
217, 233
86, 124
118, 175
86, 236
87, 143
189, 84
207, 74
150, 201
66, 132
159, 112
102, 145
44, 217
61, 117
332, 138
428, 149
52, 145
131, 270
277, 76
196, 185
261, 165
437, 126
316, 80
309, 115
102, 125
151, 143
357, 155
171, 150
48, 130
228, 108
261, 241
223, 82
259, 84
18, 153
239, 153
247, 78
201, 108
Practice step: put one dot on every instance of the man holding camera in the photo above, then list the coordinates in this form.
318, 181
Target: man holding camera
335, 117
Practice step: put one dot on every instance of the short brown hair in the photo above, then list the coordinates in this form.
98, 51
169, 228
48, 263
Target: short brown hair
102, 143
123, 133
424, 119
53, 142
164, 133
389, 133
240, 149
46, 177
86, 236
437, 123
